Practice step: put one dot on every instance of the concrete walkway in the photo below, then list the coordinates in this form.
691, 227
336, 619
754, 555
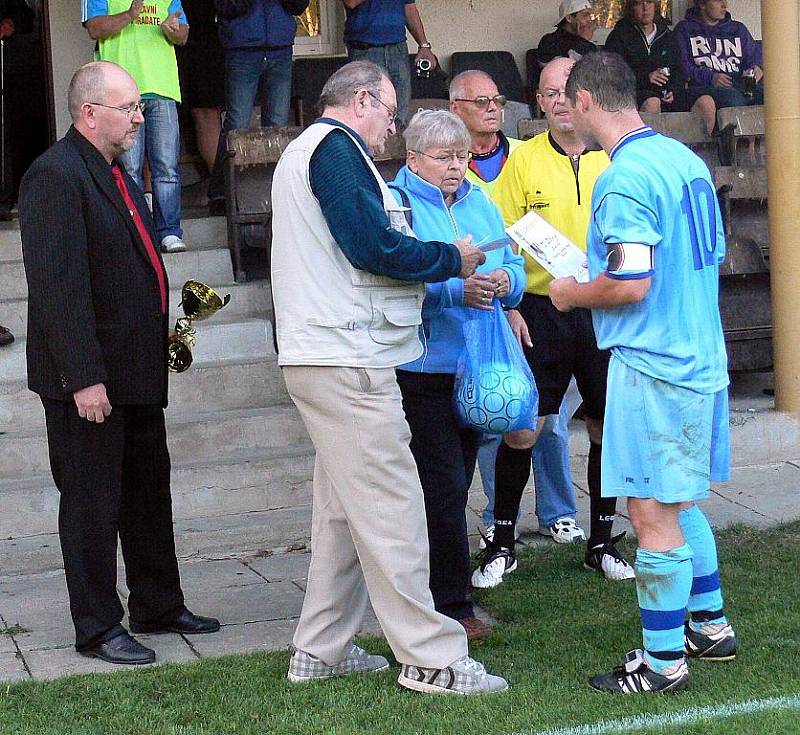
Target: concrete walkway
258, 596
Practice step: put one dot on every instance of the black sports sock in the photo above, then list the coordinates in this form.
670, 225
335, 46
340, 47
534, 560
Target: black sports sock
511, 473
601, 510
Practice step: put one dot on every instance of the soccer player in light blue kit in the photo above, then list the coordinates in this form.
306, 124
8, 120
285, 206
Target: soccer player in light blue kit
655, 244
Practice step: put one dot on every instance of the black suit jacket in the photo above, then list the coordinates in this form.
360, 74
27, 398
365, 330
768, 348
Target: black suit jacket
94, 307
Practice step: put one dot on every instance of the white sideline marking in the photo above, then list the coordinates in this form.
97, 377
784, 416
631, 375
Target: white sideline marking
669, 720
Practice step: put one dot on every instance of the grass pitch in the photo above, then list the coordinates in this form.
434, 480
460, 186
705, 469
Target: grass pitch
558, 626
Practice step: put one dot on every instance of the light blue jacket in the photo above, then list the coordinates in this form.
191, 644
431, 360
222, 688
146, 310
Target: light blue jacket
443, 311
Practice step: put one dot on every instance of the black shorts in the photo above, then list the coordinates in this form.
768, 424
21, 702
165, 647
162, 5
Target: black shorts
682, 102
564, 345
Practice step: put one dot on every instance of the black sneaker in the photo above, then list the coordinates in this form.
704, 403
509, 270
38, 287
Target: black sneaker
6, 338
494, 563
608, 562
636, 677
716, 642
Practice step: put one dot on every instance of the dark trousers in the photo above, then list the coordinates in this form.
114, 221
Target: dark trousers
445, 455
114, 481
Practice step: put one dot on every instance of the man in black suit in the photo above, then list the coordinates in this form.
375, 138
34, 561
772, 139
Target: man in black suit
97, 357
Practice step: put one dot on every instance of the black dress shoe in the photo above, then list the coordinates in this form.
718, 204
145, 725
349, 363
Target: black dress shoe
184, 622
121, 649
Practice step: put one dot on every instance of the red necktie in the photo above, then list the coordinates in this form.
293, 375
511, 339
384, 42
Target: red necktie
144, 234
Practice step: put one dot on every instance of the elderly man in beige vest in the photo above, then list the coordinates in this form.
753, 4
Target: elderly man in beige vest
347, 279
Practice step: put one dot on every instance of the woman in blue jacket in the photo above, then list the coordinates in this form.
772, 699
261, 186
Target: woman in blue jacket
445, 206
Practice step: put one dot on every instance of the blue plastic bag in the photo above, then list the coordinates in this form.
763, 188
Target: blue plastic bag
494, 391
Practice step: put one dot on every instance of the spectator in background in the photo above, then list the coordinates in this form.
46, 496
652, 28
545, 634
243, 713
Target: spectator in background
573, 34
376, 30
475, 99
644, 39
720, 56
553, 174
257, 36
142, 40
445, 206
15, 18
201, 67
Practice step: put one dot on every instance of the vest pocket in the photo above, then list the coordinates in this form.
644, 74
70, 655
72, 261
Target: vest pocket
395, 317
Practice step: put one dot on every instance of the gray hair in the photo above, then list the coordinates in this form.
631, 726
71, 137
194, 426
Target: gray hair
436, 129
348, 80
88, 84
607, 78
459, 82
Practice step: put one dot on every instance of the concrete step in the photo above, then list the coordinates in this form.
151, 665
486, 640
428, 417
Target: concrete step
209, 438
14, 315
10, 243
198, 233
217, 341
264, 482
250, 532
211, 265
204, 232
247, 300
12, 280
201, 391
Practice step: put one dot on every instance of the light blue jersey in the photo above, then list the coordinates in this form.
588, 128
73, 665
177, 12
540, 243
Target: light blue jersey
658, 193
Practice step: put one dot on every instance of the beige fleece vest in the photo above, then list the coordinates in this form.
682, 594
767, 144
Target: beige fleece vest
328, 312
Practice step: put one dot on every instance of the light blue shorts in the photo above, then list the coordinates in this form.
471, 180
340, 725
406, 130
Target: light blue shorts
660, 440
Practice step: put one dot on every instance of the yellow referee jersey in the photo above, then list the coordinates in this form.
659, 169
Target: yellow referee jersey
539, 176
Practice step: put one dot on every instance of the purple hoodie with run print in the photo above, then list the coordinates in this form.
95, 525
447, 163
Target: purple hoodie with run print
726, 48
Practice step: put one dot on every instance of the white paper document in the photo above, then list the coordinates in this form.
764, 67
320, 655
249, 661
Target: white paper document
557, 254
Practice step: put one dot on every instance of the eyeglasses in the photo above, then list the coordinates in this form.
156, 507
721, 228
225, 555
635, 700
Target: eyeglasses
551, 94
460, 157
129, 110
483, 101
392, 113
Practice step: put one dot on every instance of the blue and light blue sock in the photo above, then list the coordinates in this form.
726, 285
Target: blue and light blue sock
663, 584
705, 601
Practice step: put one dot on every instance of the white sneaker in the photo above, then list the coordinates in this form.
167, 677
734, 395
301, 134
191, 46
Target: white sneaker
305, 667
465, 676
607, 561
495, 562
489, 536
172, 244
564, 531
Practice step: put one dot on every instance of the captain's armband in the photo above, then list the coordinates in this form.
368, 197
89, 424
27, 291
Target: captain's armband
629, 260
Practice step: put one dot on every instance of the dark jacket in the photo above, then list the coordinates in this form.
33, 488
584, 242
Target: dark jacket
258, 24
629, 42
94, 305
559, 43
706, 50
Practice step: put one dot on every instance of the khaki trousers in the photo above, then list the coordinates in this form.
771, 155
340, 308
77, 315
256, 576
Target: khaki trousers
368, 531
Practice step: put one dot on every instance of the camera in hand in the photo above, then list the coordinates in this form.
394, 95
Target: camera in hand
424, 68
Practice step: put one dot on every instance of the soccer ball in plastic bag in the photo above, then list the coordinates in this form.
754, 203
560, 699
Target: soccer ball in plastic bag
493, 399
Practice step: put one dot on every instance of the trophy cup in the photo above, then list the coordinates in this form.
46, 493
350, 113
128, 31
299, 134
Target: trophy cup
199, 302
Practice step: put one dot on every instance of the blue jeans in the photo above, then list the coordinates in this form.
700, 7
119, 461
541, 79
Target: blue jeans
555, 493
393, 58
159, 138
251, 75
735, 96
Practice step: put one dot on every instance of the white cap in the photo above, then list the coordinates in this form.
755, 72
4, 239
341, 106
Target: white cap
568, 7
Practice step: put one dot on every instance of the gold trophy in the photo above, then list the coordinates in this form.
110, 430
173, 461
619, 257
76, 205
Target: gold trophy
199, 302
